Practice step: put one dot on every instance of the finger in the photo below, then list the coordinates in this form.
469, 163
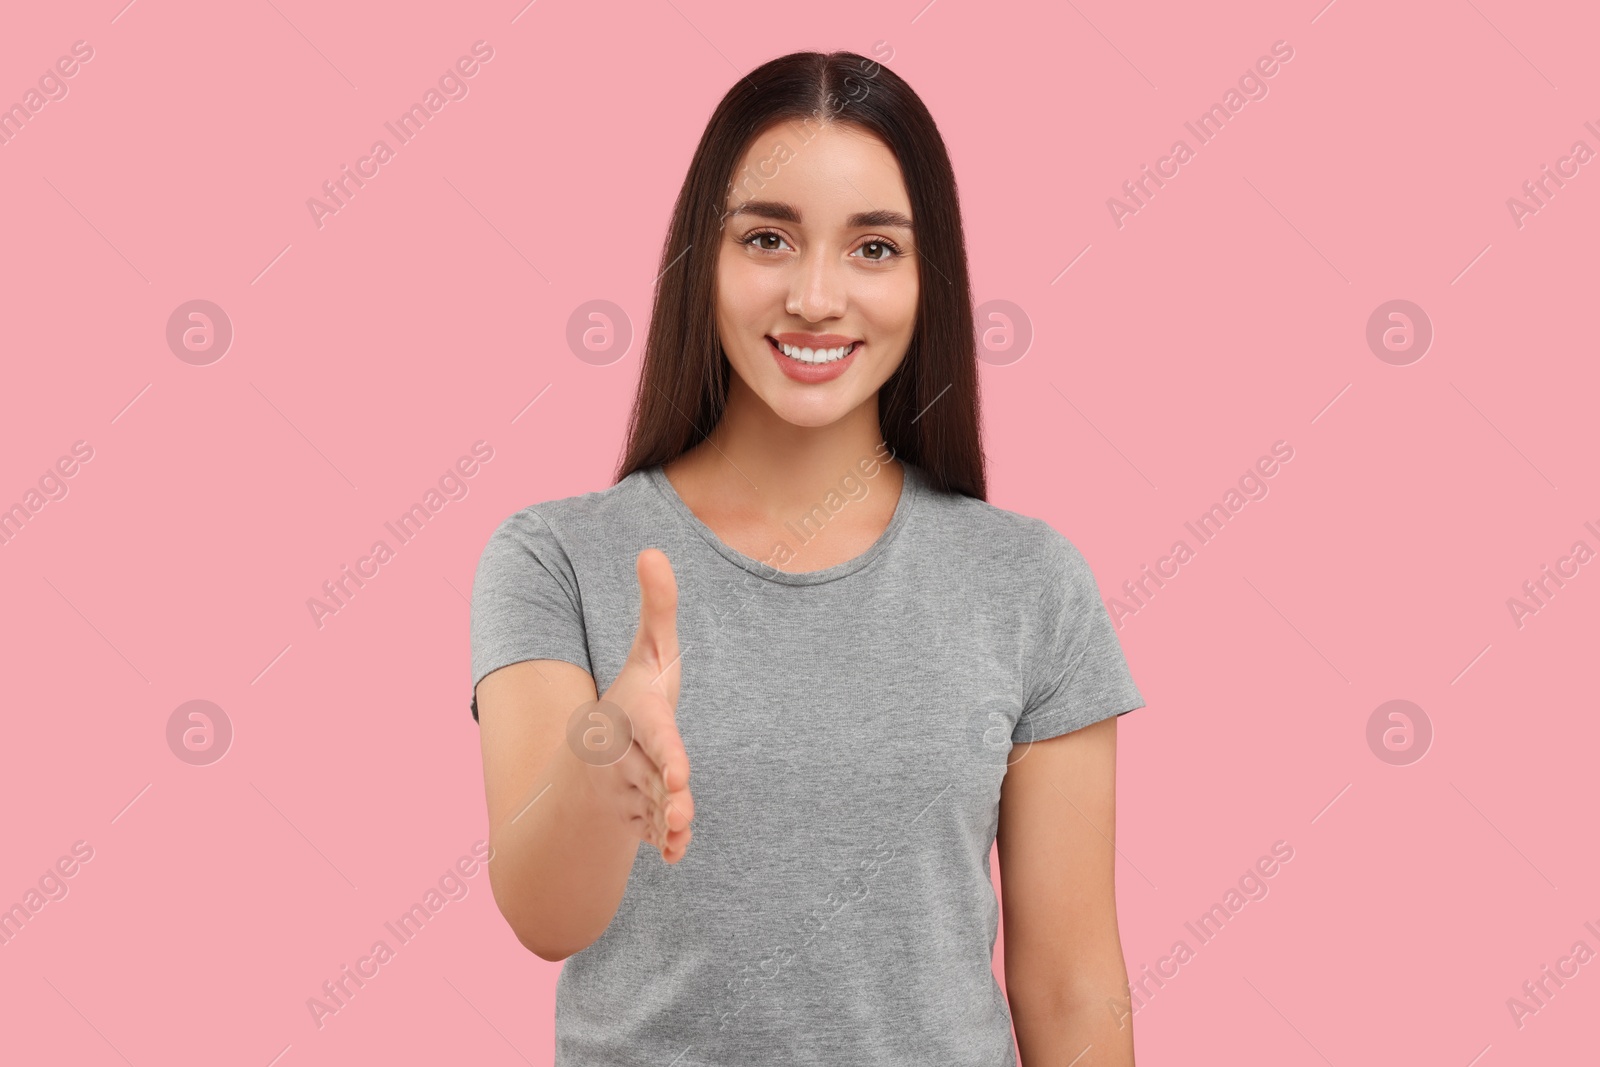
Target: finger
663, 810
665, 814
679, 807
672, 810
657, 636
649, 807
680, 813
669, 812
656, 733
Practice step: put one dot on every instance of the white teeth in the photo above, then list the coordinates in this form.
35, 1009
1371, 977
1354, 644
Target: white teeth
817, 355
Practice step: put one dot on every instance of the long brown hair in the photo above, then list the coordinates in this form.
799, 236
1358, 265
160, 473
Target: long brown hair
928, 408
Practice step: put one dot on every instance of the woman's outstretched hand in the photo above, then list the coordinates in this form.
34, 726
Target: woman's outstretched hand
648, 787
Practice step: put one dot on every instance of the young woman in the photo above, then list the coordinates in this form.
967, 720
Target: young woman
794, 650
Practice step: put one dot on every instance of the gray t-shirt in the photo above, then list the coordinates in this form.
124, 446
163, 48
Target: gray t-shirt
847, 732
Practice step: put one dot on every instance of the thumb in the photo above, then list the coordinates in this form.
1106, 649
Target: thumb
657, 637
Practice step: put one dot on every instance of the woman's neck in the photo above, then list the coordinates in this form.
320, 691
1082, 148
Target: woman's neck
758, 478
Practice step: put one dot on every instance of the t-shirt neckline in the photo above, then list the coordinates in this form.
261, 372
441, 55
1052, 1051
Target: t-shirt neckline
910, 489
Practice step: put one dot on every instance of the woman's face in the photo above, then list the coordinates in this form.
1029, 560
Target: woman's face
816, 252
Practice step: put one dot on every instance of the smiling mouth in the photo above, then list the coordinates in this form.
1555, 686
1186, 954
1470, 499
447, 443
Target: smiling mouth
814, 356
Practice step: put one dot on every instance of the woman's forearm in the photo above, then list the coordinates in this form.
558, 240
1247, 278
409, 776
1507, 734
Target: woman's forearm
1087, 1025
561, 860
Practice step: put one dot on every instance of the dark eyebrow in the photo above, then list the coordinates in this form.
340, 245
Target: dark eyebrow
781, 212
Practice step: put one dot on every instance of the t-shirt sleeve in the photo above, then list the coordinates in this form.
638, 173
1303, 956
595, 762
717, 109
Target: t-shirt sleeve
525, 600
1074, 669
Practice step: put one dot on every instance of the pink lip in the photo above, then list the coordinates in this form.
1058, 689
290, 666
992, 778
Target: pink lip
809, 373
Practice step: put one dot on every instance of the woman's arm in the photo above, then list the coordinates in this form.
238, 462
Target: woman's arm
1065, 976
564, 832
560, 858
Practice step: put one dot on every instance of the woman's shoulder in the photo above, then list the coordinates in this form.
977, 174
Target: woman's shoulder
583, 517
983, 527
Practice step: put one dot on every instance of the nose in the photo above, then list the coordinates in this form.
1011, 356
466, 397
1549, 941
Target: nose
817, 290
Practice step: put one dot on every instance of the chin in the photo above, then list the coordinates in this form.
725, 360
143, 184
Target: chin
810, 416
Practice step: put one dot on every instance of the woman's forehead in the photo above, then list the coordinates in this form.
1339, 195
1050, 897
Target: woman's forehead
836, 176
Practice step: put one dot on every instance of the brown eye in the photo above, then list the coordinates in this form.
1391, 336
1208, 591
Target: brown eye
886, 249
759, 237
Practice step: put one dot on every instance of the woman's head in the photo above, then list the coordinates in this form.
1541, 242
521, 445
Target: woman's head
816, 283
821, 207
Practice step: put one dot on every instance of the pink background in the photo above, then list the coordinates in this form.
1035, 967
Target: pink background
370, 353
